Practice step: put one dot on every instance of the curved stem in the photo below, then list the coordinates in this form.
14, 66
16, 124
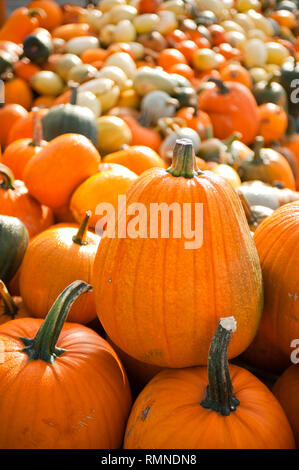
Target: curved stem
184, 162
247, 208
232, 138
219, 393
80, 237
43, 345
223, 90
8, 178
10, 308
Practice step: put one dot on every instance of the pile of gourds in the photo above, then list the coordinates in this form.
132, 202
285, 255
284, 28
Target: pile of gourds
138, 342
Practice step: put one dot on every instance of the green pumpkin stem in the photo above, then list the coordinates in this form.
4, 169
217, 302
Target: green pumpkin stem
80, 236
10, 308
222, 89
8, 178
74, 89
232, 138
258, 145
43, 345
219, 393
184, 162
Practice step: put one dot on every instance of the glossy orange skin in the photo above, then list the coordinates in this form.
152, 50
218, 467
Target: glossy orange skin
62, 164
286, 390
44, 101
70, 31
171, 403
94, 55
24, 127
138, 158
80, 402
18, 26
19, 203
53, 14
236, 73
18, 91
184, 70
142, 135
54, 261
160, 302
17, 155
25, 69
169, 57
22, 312
276, 240
235, 111
273, 122
103, 187
9, 114
199, 121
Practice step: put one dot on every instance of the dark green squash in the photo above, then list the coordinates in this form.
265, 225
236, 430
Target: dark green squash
6, 62
271, 92
14, 239
37, 47
70, 118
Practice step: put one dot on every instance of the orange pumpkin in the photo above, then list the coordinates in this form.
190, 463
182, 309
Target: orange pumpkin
57, 257
62, 164
235, 72
25, 69
70, 31
273, 122
76, 391
105, 186
9, 114
286, 390
232, 108
17, 202
267, 165
23, 128
18, 153
20, 23
18, 91
52, 17
197, 120
10, 308
277, 243
138, 158
221, 406
172, 326
142, 135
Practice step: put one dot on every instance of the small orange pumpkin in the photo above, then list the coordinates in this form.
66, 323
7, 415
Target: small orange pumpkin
273, 122
138, 158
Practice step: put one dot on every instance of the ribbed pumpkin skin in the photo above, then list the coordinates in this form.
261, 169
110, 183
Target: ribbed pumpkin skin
168, 415
53, 262
160, 302
286, 390
68, 118
277, 242
80, 402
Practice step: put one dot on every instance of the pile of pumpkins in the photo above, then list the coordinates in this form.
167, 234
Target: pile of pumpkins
138, 342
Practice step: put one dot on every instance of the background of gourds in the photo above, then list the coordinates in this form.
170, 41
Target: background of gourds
112, 87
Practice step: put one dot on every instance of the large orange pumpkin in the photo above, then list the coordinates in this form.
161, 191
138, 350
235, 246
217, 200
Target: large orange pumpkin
67, 387
17, 202
232, 108
214, 407
277, 242
286, 390
158, 298
62, 164
57, 257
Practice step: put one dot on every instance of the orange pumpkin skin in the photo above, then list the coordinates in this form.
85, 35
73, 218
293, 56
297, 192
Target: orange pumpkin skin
143, 135
10, 307
273, 122
59, 414
22, 312
138, 158
9, 114
19, 203
103, 187
197, 120
53, 14
18, 91
17, 155
20, 23
276, 240
231, 111
63, 164
171, 403
286, 390
170, 323
236, 73
23, 128
54, 261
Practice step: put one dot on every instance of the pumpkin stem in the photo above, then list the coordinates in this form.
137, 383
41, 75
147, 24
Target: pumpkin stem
219, 393
231, 139
183, 161
37, 129
258, 145
246, 207
80, 237
222, 89
43, 345
8, 178
74, 89
10, 307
